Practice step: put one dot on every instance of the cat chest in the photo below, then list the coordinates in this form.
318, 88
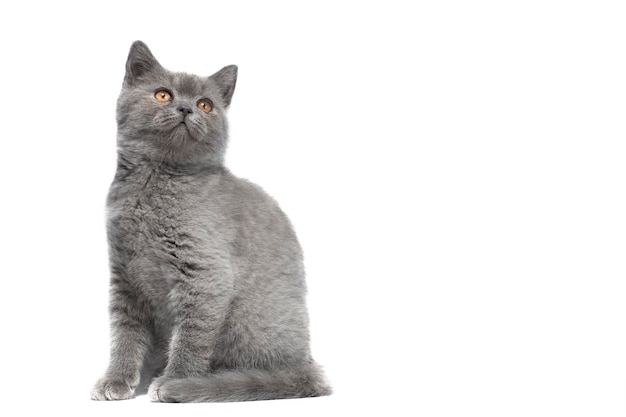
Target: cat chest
155, 228
150, 221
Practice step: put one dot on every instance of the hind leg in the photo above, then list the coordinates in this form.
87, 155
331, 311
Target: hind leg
265, 334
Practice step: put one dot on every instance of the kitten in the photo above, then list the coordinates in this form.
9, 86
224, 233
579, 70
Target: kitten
207, 279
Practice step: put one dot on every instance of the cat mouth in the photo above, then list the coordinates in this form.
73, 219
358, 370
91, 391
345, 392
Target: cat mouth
187, 130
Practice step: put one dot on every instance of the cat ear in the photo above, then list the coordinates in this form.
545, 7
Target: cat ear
226, 78
140, 62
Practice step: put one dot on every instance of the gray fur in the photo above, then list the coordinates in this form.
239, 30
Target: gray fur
207, 280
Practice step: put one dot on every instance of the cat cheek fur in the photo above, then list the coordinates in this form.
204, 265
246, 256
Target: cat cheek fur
207, 290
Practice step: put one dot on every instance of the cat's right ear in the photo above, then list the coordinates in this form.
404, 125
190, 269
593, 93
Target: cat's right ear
140, 62
226, 78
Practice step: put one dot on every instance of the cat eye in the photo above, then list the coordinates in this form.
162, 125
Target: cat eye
163, 95
205, 105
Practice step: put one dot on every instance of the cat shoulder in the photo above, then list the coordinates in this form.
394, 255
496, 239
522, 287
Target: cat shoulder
248, 193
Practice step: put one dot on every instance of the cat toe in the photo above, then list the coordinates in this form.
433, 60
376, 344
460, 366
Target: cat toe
154, 388
111, 390
159, 390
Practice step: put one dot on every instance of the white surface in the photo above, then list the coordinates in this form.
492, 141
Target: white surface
455, 171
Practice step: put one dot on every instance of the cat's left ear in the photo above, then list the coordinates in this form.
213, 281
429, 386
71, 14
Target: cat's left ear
140, 62
226, 78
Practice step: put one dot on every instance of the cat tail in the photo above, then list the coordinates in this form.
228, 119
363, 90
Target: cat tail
246, 385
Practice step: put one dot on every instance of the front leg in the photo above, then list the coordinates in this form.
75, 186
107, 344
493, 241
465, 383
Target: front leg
200, 302
130, 338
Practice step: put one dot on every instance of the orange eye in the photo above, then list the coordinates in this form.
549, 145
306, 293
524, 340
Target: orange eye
163, 96
205, 105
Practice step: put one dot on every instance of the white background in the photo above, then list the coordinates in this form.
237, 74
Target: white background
455, 171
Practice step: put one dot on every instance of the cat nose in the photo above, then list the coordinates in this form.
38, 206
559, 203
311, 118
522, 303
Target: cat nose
184, 110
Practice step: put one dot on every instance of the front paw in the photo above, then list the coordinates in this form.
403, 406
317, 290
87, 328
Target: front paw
154, 389
112, 389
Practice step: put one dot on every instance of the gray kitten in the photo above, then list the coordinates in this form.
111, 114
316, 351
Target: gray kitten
207, 279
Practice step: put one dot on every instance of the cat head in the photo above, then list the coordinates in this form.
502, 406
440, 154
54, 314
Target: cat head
173, 117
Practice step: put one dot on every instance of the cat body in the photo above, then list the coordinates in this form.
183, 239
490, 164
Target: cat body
207, 278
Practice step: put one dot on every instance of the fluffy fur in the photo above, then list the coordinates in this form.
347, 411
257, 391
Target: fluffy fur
207, 281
